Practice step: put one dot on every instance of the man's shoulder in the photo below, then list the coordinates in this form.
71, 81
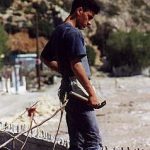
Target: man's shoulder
68, 29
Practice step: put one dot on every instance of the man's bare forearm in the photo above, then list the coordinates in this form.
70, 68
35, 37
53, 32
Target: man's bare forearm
80, 73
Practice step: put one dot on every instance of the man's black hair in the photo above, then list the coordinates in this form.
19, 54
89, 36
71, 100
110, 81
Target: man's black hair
91, 5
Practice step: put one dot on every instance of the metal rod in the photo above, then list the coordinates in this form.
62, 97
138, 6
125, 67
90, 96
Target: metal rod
37, 53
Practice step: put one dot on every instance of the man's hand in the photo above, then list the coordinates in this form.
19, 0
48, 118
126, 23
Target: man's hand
93, 101
95, 104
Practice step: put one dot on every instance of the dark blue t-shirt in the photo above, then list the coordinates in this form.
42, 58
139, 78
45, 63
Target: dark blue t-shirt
66, 44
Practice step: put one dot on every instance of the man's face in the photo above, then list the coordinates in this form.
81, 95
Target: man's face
84, 19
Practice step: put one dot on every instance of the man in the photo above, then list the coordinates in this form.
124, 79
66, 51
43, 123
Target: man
66, 53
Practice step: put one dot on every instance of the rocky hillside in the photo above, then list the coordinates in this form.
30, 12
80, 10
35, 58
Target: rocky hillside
20, 15
125, 15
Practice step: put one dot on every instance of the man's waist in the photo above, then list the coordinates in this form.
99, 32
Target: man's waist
72, 78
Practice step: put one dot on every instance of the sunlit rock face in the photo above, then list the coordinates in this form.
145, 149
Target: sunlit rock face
123, 15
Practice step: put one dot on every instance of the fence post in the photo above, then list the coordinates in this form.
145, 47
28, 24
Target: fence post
6, 125
13, 145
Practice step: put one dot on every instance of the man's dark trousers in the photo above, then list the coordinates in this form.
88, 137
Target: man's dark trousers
82, 126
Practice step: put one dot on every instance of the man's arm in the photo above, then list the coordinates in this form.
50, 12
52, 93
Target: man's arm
80, 73
50, 64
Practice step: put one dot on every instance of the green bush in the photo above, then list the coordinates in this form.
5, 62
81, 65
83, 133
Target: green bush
28, 10
40, 8
55, 17
112, 10
128, 49
137, 3
145, 18
45, 28
101, 36
147, 9
136, 19
10, 28
5, 3
3, 41
91, 55
65, 4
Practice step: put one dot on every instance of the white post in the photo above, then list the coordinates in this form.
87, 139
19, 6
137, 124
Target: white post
8, 85
3, 84
17, 77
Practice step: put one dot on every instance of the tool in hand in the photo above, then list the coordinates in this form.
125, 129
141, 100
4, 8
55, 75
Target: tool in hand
100, 105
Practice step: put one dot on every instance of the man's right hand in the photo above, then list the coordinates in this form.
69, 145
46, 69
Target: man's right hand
93, 101
96, 104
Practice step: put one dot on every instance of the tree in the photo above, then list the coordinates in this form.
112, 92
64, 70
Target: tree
4, 4
3, 40
101, 36
91, 55
3, 45
130, 50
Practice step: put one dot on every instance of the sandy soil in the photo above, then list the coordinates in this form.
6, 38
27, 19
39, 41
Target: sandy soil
124, 121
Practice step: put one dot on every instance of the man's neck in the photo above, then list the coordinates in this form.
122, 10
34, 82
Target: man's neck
71, 20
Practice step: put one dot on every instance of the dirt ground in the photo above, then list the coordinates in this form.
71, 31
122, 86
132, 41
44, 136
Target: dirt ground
124, 121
